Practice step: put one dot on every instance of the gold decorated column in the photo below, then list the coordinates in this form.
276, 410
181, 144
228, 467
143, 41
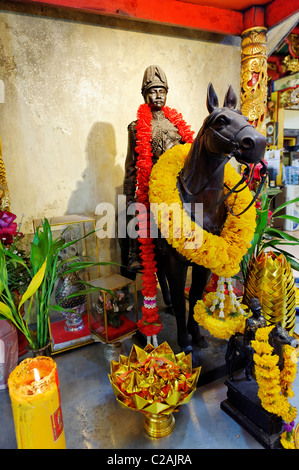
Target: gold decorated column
254, 76
4, 192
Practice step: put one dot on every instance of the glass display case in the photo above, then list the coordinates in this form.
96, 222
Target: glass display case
114, 309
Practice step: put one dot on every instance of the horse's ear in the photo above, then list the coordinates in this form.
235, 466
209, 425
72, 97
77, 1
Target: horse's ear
230, 100
212, 100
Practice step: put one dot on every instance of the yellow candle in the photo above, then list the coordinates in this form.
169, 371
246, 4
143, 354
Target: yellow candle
34, 392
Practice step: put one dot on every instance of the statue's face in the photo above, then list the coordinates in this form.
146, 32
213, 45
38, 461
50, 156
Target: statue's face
257, 311
155, 97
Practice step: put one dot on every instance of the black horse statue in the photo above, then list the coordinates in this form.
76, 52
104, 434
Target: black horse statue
238, 349
225, 133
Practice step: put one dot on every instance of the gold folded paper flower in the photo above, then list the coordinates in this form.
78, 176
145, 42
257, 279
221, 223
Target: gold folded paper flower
154, 380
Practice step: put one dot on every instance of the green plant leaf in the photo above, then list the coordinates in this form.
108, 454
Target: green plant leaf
56, 246
262, 221
272, 191
285, 204
5, 310
275, 243
288, 217
3, 269
37, 257
273, 232
57, 308
98, 288
294, 264
289, 257
34, 284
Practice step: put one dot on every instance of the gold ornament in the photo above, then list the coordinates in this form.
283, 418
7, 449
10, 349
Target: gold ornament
291, 64
158, 425
293, 43
270, 279
4, 192
254, 77
156, 382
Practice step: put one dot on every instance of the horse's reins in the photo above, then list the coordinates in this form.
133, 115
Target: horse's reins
247, 174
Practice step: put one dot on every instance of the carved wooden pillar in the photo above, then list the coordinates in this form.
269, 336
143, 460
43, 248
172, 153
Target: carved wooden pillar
254, 76
4, 192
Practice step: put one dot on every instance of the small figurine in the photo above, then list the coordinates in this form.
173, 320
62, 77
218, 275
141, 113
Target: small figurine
251, 325
240, 345
115, 307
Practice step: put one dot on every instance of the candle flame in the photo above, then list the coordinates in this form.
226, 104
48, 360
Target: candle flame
36, 375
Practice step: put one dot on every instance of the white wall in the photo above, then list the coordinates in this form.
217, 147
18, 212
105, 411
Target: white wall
291, 119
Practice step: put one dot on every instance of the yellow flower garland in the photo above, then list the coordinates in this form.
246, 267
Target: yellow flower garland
222, 254
223, 328
275, 387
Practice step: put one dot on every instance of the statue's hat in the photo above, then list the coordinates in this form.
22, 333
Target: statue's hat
153, 76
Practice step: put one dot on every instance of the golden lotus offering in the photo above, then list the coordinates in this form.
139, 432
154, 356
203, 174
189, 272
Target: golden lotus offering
270, 278
155, 382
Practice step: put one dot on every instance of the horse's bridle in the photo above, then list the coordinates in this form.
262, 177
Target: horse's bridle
246, 176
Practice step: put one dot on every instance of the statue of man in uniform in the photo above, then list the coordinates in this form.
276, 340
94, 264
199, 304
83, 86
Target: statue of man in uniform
167, 129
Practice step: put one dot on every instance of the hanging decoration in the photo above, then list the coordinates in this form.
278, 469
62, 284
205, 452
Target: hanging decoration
150, 323
221, 313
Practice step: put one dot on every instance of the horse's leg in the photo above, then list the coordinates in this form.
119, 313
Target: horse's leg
249, 362
176, 274
200, 278
165, 289
230, 356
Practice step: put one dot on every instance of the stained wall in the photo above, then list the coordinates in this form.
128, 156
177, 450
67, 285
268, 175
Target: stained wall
71, 87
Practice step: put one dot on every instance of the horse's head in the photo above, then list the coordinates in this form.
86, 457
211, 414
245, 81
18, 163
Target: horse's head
282, 336
228, 132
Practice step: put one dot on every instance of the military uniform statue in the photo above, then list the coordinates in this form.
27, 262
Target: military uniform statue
164, 135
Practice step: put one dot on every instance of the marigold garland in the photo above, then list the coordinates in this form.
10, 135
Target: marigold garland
222, 254
222, 328
150, 323
275, 387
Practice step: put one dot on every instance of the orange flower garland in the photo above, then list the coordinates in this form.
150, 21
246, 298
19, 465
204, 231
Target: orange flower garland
275, 386
150, 323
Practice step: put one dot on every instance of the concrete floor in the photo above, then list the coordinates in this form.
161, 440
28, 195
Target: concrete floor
94, 420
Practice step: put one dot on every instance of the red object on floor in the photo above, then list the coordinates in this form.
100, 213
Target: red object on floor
126, 327
60, 335
22, 343
8, 351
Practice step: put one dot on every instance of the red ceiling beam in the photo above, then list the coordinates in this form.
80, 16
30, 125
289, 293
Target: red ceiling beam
280, 10
170, 12
182, 13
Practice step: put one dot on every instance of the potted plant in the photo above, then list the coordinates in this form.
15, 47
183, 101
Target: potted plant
268, 237
43, 270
